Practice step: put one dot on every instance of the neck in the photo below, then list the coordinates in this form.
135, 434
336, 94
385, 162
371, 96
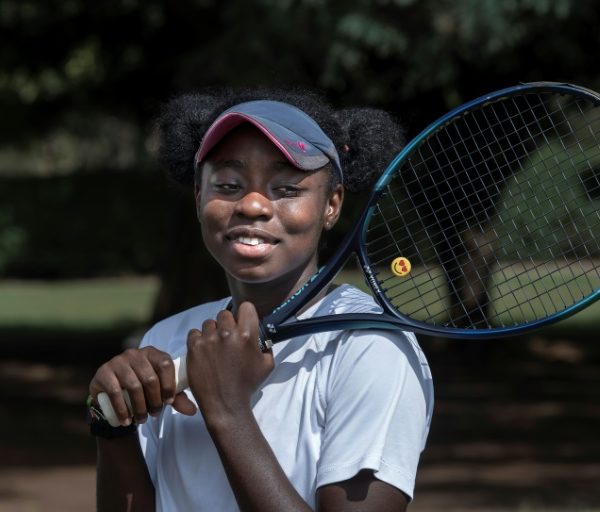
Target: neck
267, 296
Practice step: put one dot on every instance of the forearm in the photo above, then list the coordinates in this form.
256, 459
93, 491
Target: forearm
257, 479
122, 481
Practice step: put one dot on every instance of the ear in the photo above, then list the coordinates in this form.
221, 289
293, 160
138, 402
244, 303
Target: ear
197, 191
333, 207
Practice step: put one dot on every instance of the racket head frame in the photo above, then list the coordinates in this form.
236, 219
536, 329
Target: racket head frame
282, 324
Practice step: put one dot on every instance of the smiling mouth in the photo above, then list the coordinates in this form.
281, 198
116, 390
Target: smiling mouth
251, 237
252, 246
252, 240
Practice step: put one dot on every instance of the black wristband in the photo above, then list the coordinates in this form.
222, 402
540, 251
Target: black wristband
100, 427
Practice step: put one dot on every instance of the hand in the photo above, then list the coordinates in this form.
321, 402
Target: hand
225, 365
148, 376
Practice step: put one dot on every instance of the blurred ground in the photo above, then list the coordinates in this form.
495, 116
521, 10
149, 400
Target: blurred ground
515, 428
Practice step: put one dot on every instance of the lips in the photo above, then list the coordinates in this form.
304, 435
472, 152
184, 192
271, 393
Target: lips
251, 236
246, 240
251, 243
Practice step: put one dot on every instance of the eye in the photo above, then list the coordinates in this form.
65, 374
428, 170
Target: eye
226, 187
288, 190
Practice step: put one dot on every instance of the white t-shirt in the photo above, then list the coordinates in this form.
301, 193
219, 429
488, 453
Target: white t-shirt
336, 403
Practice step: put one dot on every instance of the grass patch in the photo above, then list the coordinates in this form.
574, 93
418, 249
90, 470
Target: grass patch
414, 297
121, 304
79, 304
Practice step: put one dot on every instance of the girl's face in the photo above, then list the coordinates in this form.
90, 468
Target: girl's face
261, 217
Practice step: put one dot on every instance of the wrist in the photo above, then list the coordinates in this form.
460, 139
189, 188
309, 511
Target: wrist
229, 420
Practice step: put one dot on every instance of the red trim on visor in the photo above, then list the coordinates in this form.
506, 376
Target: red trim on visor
223, 125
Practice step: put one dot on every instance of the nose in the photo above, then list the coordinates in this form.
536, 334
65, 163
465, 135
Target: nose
254, 204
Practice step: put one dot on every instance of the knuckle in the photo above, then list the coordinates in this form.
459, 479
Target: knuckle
134, 386
113, 391
211, 338
150, 380
245, 334
194, 342
165, 363
224, 332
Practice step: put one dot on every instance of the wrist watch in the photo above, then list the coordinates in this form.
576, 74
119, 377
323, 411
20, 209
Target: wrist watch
100, 427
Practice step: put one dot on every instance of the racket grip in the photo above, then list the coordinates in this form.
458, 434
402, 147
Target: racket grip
181, 383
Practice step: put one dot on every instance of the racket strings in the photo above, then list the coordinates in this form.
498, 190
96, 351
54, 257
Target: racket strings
485, 188
549, 198
498, 212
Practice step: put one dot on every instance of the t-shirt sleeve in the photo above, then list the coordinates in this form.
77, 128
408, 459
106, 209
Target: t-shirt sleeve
378, 408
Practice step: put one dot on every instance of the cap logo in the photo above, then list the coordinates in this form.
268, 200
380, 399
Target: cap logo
297, 144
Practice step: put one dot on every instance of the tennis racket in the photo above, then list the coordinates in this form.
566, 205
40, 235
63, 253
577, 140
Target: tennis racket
487, 224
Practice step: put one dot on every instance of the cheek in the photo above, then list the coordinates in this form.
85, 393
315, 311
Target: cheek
211, 215
302, 218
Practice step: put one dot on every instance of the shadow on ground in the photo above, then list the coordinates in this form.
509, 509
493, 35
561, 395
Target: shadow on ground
515, 427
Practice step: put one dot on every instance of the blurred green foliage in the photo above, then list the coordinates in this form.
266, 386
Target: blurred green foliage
12, 239
563, 194
81, 82
85, 225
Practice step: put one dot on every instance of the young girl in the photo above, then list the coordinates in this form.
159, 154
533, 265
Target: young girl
333, 421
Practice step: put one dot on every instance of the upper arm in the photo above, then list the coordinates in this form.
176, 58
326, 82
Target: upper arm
377, 413
362, 493
122, 480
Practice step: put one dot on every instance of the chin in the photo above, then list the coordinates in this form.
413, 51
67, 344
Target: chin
251, 276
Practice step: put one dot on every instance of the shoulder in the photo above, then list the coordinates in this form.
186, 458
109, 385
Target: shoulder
385, 354
170, 334
349, 299
372, 350
381, 370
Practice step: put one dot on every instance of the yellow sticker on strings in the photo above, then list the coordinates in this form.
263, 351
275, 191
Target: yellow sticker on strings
400, 266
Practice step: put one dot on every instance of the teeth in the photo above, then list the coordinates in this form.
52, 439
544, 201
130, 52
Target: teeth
246, 240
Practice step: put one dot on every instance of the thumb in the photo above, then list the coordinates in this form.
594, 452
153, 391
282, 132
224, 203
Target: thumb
184, 405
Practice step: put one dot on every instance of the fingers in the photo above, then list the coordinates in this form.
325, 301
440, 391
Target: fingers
107, 381
225, 365
162, 364
247, 318
144, 390
227, 328
148, 377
